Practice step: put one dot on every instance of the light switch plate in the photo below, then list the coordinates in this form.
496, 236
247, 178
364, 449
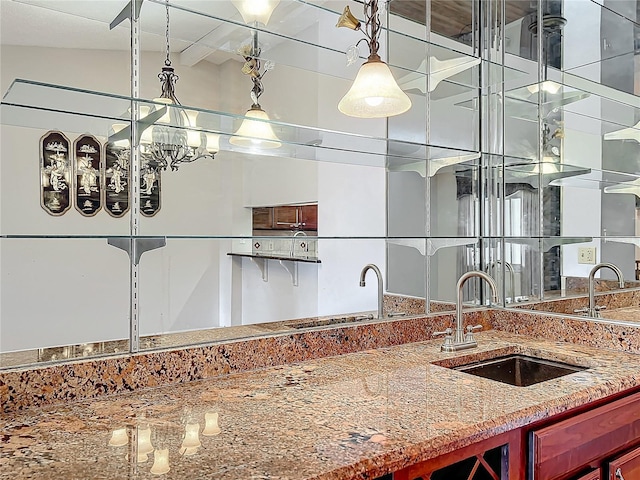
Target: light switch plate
587, 255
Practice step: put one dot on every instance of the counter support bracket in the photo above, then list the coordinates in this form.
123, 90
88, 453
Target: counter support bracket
292, 268
263, 265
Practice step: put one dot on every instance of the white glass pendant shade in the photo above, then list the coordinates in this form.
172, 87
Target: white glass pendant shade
548, 166
547, 86
160, 462
255, 133
119, 438
256, 11
211, 424
374, 93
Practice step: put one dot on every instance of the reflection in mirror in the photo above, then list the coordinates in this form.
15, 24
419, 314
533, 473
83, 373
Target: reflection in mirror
513, 165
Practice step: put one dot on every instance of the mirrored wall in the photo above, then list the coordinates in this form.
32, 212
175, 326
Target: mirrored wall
127, 222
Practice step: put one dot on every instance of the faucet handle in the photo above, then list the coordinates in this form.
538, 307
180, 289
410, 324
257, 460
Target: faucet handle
598, 307
581, 310
448, 336
448, 331
470, 329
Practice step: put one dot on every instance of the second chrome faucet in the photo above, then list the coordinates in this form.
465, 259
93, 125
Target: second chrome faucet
593, 310
363, 274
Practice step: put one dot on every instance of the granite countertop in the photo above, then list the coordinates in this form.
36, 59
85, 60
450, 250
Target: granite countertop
627, 314
357, 415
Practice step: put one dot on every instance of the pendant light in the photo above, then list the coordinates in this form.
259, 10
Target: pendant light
255, 131
256, 12
172, 141
374, 93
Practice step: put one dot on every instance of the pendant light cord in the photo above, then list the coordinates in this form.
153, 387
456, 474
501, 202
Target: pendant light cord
167, 60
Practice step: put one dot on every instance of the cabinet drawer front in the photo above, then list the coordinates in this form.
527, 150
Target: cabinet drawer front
625, 467
570, 444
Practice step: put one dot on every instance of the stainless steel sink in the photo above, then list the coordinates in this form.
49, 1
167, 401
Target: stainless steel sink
519, 370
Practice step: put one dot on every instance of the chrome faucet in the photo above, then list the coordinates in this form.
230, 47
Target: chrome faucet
458, 340
293, 240
512, 277
593, 310
373, 267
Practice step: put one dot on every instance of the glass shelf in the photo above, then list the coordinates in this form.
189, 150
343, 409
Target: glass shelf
608, 181
547, 243
45, 106
217, 29
546, 172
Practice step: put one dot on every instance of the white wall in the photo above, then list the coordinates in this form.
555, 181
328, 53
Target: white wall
190, 283
82, 286
582, 145
350, 192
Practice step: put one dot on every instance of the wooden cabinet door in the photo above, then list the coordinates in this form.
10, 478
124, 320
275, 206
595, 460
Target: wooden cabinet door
595, 475
285, 218
263, 218
309, 217
569, 445
625, 467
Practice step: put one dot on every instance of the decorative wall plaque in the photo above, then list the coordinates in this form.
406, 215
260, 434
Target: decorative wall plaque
117, 173
55, 173
88, 175
150, 181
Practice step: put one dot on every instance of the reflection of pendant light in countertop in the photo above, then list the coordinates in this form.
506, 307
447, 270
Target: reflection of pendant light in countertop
160, 461
374, 92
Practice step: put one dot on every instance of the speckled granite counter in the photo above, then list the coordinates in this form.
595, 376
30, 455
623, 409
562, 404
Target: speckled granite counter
627, 314
358, 415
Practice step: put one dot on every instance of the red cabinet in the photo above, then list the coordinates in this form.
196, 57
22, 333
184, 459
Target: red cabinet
625, 467
287, 217
263, 218
565, 448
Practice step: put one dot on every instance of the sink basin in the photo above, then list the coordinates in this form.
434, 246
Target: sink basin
519, 370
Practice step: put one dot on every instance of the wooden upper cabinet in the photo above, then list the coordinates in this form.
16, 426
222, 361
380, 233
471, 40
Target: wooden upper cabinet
263, 218
285, 218
625, 467
309, 217
295, 217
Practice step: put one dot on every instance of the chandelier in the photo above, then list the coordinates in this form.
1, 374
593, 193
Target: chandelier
173, 139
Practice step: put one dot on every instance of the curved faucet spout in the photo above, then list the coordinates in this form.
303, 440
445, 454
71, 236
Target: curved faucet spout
512, 277
594, 311
293, 240
363, 274
459, 339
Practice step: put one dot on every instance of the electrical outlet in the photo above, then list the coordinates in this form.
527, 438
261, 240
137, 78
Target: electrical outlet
270, 246
587, 255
